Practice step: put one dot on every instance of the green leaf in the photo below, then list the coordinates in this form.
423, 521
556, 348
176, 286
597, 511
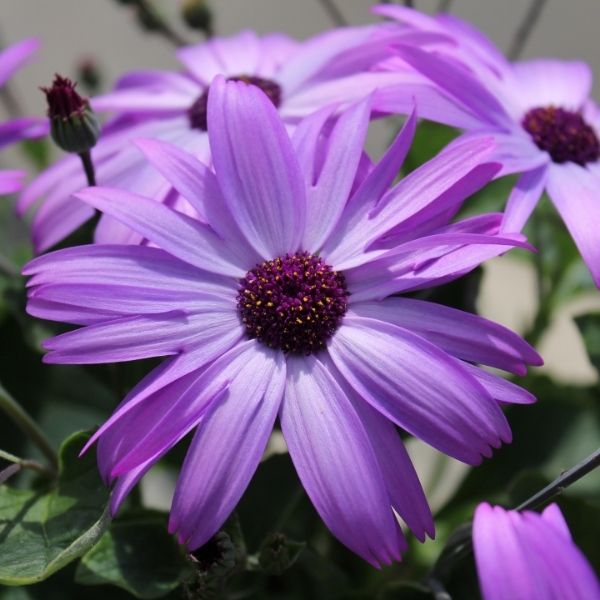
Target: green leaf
138, 555
589, 327
43, 530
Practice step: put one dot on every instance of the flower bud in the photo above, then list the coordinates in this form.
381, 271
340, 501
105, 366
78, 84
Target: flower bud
217, 557
279, 553
73, 124
197, 15
89, 74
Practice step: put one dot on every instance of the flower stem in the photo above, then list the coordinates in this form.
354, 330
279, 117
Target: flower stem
88, 167
460, 544
26, 463
562, 482
12, 408
334, 12
149, 14
525, 28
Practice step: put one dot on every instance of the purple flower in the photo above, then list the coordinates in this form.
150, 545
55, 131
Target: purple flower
539, 112
171, 106
12, 59
275, 302
529, 556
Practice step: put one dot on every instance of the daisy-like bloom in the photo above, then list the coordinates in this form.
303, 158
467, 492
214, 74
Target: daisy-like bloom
529, 556
275, 302
298, 78
539, 112
12, 59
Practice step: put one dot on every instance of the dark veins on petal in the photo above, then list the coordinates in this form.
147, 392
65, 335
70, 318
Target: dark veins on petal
197, 111
293, 303
563, 134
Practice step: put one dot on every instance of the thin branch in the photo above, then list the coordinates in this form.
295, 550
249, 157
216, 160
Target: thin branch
149, 14
88, 167
25, 463
16, 412
525, 28
335, 14
562, 482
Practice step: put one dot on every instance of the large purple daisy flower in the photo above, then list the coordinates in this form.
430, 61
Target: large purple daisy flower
171, 106
529, 556
538, 111
12, 59
276, 301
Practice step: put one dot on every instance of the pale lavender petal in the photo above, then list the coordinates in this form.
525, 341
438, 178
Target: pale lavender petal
500, 389
527, 555
152, 100
154, 426
401, 479
524, 198
137, 266
458, 82
18, 129
419, 387
461, 334
217, 338
227, 448
165, 417
336, 463
198, 184
65, 313
256, 167
185, 238
11, 181
442, 180
426, 262
574, 192
550, 82
327, 196
15, 56
129, 338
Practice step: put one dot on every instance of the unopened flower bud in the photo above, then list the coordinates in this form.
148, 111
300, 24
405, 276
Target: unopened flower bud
279, 553
89, 74
197, 15
73, 124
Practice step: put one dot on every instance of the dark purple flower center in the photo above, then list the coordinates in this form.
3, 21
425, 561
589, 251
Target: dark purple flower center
563, 134
197, 111
294, 303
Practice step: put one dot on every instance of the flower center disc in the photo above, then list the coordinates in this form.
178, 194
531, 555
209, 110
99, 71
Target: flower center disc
293, 303
563, 134
197, 111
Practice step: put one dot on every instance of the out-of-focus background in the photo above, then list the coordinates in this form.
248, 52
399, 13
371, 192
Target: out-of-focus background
107, 33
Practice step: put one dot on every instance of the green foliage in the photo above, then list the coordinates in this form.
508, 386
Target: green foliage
44, 529
138, 555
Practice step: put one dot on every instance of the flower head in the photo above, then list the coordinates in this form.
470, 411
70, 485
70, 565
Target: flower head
529, 556
276, 301
299, 78
546, 126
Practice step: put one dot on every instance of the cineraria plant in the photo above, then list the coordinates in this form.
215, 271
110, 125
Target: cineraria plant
232, 338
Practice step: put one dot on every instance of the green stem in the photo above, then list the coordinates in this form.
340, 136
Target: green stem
14, 410
26, 463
